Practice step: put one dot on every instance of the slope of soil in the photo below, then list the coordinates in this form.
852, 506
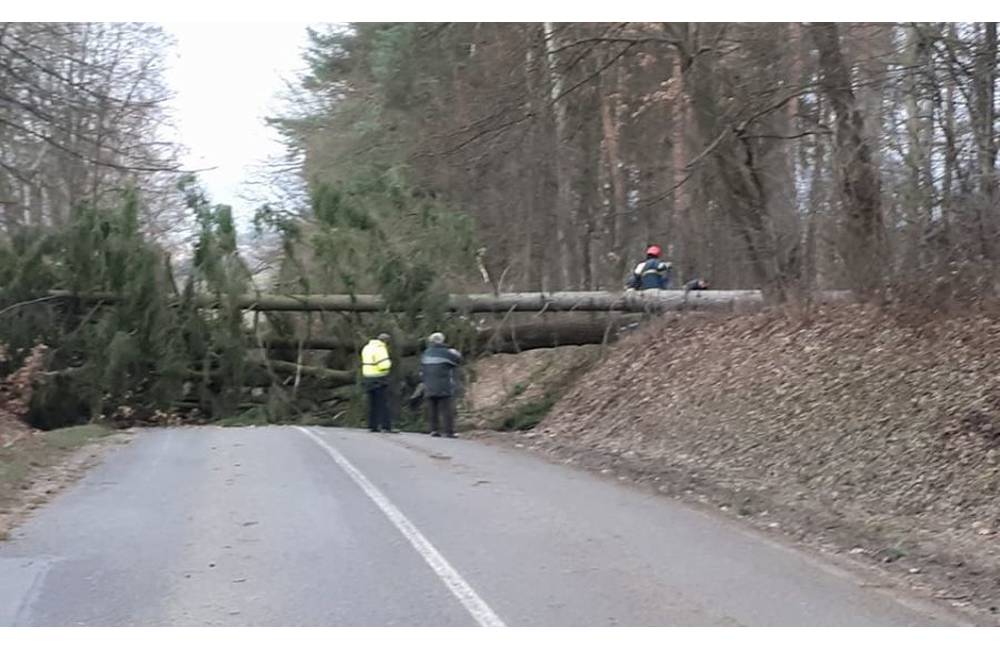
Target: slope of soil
510, 391
858, 430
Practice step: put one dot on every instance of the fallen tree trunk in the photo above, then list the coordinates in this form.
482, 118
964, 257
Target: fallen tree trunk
340, 376
651, 301
332, 343
257, 375
505, 338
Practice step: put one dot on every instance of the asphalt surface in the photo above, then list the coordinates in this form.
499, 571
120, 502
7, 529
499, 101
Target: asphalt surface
334, 527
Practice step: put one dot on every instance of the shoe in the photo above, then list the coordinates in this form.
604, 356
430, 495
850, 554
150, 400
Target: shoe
373, 431
450, 435
435, 434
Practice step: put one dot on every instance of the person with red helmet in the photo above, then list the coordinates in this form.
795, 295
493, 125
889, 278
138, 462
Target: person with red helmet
652, 273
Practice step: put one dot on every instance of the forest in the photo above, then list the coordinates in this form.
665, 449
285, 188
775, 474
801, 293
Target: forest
425, 161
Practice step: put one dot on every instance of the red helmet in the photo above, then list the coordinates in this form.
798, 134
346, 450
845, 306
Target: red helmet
654, 250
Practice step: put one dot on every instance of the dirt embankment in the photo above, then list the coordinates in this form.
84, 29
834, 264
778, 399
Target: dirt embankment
515, 391
853, 430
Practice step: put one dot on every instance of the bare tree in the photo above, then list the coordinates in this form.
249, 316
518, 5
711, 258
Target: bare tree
81, 117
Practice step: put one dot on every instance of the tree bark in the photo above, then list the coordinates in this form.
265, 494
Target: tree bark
679, 221
609, 123
984, 117
863, 248
651, 301
560, 152
505, 338
257, 375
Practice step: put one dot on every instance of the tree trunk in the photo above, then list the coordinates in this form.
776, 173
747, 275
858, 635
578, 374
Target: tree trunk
502, 338
815, 272
537, 261
559, 151
609, 101
951, 150
583, 301
863, 247
984, 117
680, 219
919, 190
257, 374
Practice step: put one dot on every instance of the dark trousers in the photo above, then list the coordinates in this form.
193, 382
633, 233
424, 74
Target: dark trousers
442, 408
378, 407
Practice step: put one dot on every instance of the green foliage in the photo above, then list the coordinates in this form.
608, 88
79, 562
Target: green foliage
369, 225
215, 339
375, 227
25, 274
138, 350
61, 401
114, 350
375, 233
391, 65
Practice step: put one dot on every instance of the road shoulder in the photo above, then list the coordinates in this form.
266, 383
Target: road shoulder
36, 467
855, 551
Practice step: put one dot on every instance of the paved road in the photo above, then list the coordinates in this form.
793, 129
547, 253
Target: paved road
287, 526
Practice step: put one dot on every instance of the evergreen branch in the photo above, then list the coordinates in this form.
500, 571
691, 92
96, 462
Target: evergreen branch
25, 303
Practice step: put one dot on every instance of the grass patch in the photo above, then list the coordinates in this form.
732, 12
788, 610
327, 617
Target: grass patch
22, 460
74, 437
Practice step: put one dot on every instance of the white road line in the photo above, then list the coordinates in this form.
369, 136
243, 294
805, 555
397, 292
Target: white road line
452, 579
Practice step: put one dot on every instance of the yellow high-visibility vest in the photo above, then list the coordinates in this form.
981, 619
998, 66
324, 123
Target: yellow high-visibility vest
375, 361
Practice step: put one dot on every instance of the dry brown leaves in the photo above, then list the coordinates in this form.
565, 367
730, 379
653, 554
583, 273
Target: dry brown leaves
868, 418
16, 388
15, 395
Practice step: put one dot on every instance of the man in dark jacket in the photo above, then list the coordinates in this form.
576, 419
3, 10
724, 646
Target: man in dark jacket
437, 372
652, 273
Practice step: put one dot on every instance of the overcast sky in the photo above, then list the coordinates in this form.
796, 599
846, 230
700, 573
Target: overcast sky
226, 77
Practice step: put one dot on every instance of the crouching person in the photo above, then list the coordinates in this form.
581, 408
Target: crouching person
437, 372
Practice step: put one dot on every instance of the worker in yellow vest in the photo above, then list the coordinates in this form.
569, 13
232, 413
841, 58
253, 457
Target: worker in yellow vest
375, 367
